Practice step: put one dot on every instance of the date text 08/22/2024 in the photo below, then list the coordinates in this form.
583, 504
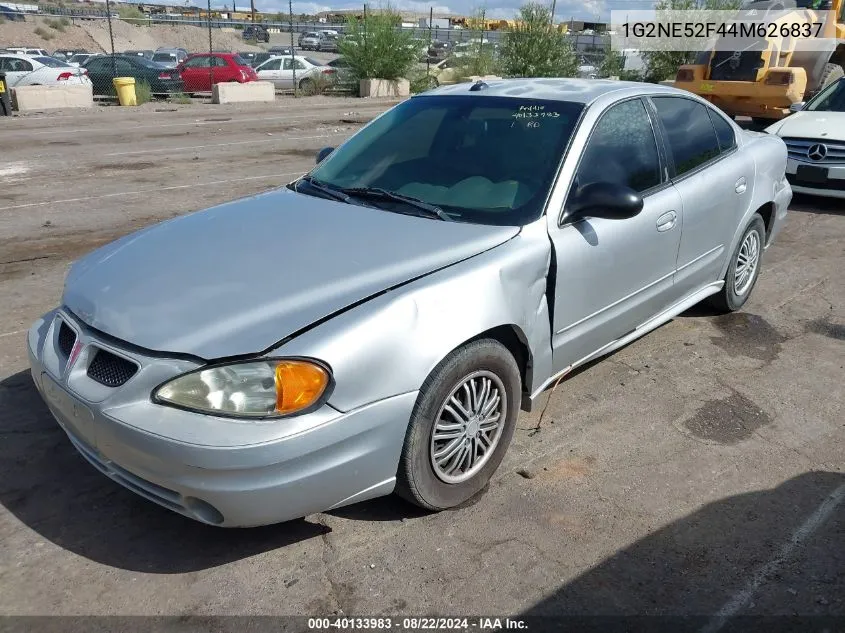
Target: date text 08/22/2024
415, 624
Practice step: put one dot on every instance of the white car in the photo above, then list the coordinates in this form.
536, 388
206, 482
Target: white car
815, 138
279, 70
23, 70
23, 50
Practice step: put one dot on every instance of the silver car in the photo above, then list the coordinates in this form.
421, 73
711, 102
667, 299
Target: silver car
376, 325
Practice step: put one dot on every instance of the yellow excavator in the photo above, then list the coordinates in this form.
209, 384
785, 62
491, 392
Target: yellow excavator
765, 84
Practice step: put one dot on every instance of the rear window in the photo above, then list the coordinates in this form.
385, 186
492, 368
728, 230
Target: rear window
164, 57
240, 61
52, 62
314, 62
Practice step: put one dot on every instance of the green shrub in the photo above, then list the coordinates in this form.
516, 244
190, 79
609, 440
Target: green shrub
315, 85
421, 81
180, 98
130, 14
143, 92
376, 49
534, 48
64, 21
44, 34
55, 24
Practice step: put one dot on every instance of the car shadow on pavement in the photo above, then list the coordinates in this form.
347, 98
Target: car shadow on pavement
777, 552
52, 490
817, 205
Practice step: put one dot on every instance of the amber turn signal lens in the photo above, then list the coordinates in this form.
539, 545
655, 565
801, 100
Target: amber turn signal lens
299, 384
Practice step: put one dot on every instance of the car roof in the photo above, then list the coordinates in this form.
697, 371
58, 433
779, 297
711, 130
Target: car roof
573, 90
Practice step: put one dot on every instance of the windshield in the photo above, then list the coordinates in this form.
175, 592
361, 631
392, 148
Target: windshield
487, 160
831, 99
52, 62
79, 58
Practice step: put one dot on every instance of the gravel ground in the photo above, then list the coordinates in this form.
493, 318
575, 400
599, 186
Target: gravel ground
696, 472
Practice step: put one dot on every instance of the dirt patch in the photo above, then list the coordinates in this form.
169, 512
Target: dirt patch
826, 328
727, 421
749, 335
571, 468
124, 166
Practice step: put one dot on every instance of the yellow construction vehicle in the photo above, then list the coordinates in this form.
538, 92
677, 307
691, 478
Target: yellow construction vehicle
763, 84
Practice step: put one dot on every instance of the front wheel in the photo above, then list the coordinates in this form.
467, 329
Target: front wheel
460, 427
744, 268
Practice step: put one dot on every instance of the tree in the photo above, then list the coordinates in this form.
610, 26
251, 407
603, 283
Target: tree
375, 49
661, 65
534, 47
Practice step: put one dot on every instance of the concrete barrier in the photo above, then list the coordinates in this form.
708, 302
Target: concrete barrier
385, 88
29, 98
241, 93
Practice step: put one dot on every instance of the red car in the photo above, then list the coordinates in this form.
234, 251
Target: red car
200, 71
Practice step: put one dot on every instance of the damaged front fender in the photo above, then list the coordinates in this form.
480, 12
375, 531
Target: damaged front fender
390, 344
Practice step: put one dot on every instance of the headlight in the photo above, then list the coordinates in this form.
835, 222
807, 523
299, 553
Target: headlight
253, 389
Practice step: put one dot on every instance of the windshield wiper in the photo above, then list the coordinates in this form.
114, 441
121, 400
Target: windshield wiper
334, 194
383, 194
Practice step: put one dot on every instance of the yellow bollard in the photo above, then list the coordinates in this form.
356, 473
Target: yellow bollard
125, 87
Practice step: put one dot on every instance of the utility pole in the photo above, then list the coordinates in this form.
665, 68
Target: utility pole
111, 39
210, 48
554, 4
252, 9
292, 53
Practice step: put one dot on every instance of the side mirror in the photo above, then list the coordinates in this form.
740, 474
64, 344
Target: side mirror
796, 107
605, 200
323, 153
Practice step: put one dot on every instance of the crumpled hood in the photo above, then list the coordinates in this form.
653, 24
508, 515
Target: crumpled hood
811, 124
237, 278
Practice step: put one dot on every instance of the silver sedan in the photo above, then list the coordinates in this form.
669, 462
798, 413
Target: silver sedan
376, 325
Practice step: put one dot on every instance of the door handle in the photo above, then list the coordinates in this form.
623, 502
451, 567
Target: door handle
666, 221
741, 185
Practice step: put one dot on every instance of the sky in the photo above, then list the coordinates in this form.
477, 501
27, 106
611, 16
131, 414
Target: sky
588, 10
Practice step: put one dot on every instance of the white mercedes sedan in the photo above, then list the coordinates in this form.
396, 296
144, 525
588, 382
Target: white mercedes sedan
815, 139
280, 71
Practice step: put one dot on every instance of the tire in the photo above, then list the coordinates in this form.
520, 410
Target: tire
735, 292
479, 362
306, 85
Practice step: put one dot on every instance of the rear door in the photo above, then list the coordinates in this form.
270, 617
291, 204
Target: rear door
714, 181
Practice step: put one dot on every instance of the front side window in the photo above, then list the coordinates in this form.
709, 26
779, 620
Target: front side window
621, 150
692, 139
273, 64
487, 160
831, 99
197, 62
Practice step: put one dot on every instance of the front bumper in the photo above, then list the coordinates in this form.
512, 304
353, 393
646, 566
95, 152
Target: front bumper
196, 464
834, 187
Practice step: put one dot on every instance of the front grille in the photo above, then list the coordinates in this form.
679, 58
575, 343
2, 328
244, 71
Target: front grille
67, 337
836, 185
798, 149
109, 369
725, 67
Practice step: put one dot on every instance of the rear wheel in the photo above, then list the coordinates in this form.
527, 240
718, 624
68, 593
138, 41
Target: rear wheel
461, 426
744, 268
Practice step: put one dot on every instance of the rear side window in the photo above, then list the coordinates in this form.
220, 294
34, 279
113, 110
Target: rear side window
692, 138
724, 131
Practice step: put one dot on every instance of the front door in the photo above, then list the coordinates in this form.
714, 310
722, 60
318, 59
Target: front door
195, 74
272, 71
611, 276
16, 69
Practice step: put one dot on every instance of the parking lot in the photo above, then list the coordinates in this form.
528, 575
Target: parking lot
698, 471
